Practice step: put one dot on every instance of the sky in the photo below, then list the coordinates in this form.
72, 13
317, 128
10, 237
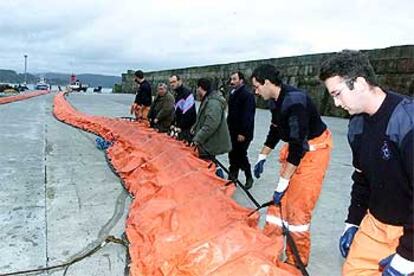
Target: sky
113, 36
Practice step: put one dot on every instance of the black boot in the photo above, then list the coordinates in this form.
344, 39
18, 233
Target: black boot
233, 173
249, 179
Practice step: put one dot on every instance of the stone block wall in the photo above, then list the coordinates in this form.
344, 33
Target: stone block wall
394, 67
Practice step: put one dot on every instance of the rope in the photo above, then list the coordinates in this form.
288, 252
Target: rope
235, 180
109, 239
289, 239
286, 231
292, 245
126, 118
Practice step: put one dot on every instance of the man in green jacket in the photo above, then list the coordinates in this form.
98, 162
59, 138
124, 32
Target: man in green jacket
211, 133
161, 113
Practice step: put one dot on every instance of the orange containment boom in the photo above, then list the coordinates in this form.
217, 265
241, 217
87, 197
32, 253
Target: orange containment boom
23, 96
182, 220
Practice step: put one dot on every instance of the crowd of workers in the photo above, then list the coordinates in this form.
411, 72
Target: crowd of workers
379, 230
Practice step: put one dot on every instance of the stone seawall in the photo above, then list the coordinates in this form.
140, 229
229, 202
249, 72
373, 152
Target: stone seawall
394, 67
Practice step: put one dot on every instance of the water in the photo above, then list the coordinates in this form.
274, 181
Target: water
105, 90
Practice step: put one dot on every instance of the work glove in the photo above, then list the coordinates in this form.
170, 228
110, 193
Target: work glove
171, 131
259, 167
220, 173
346, 239
395, 265
193, 144
280, 190
177, 132
174, 131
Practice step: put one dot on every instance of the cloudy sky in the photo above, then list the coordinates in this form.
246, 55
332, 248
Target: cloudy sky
112, 36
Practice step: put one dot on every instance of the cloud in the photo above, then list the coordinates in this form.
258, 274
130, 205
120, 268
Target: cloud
110, 37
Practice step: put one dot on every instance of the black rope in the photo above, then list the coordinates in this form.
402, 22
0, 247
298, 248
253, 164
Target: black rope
292, 245
267, 204
229, 183
123, 241
127, 118
289, 239
114, 171
235, 180
109, 239
286, 231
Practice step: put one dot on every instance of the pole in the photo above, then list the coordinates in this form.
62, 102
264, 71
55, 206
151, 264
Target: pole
25, 69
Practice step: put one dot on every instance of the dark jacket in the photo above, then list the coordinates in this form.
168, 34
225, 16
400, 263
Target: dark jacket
242, 108
162, 109
185, 110
211, 129
144, 96
295, 120
383, 152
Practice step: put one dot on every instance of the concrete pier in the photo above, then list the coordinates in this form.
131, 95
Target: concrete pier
59, 198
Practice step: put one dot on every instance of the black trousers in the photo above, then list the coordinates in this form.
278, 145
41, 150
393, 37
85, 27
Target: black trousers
238, 155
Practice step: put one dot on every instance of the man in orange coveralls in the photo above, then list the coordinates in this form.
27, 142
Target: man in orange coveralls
143, 98
304, 159
379, 230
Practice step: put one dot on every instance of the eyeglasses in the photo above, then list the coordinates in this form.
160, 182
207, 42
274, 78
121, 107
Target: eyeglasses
336, 93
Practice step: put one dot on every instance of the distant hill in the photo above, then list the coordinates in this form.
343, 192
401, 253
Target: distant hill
94, 80
10, 76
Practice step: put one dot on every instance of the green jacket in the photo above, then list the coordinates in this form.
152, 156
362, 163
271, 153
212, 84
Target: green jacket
210, 129
162, 109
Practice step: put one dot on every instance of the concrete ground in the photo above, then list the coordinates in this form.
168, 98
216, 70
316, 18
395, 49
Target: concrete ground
58, 197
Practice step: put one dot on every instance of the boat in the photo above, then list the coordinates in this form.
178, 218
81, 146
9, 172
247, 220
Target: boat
42, 85
76, 85
21, 87
98, 89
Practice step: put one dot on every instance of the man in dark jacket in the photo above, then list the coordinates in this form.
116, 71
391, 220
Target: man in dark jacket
161, 113
379, 229
303, 159
240, 119
185, 111
143, 97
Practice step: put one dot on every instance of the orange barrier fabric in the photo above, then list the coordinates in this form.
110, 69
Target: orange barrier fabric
182, 220
23, 96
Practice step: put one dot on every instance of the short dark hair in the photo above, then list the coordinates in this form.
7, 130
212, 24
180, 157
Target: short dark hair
239, 74
139, 74
267, 72
205, 84
349, 65
177, 76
